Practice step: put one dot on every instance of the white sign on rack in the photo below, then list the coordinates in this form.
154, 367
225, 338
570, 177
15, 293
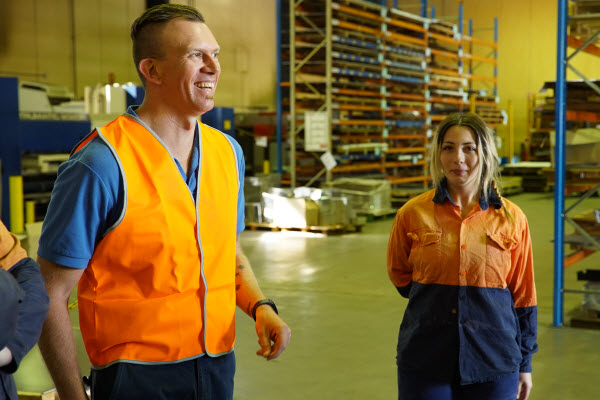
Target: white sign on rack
328, 160
316, 131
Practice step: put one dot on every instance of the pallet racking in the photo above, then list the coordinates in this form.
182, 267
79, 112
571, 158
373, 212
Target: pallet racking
379, 79
561, 116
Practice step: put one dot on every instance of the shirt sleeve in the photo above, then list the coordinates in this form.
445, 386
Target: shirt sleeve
241, 202
86, 201
398, 267
32, 311
522, 286
10, 249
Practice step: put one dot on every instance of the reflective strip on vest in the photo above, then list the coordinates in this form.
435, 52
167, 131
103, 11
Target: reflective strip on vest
160, 286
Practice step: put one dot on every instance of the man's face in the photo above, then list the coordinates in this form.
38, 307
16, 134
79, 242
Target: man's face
190, 68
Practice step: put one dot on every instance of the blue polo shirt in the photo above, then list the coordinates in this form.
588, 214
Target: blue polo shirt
88, 197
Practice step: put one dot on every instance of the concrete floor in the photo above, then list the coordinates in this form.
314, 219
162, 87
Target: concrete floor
334, 293
344, 313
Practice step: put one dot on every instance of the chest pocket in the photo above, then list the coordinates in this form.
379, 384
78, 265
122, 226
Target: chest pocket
425, 254
498, 259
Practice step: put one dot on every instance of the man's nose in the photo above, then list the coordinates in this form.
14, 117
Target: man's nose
211, 65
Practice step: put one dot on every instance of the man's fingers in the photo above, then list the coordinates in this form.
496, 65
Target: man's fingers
281, 341
265, 345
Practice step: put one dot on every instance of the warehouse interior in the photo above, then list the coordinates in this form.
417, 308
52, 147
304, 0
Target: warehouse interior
335, 118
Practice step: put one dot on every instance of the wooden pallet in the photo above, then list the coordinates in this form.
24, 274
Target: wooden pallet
47, 395
327, 230
587, 319
512, 185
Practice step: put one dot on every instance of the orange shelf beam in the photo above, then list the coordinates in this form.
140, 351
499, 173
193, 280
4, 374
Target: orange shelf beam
481, 78
446, 54
407, 96
479, 41
369, 122
406, 25
586, 116
356, 107
402, 150
354, 92
405, 38
577, 256
443, 38
410, 179
577, 43
406, 137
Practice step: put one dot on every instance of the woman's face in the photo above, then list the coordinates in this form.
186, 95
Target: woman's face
460, 159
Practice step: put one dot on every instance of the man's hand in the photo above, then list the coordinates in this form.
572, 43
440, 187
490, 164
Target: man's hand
525, 384
273, 334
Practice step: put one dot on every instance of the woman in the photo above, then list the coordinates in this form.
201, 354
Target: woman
462, 256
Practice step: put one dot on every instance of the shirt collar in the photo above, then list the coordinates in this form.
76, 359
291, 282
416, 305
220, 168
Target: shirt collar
441, 194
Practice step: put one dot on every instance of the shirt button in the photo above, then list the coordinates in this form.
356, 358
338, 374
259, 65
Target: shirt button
454, 311
463, 273
463, 246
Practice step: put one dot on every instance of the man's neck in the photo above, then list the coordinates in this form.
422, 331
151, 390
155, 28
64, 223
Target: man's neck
176, 131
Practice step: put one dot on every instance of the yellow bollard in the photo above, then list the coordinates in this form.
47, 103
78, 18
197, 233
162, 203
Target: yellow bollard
15, 194
266, 167
30, 212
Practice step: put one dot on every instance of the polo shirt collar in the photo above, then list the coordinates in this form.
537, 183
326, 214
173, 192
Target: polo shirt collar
441, 194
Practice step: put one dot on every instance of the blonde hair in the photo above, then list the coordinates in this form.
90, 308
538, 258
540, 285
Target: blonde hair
486, 150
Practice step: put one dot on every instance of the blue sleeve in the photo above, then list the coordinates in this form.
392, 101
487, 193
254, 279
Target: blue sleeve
404, 290
241, 173
32, 311
528, 323
87, 199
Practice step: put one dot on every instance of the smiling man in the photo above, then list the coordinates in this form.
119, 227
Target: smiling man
145, 217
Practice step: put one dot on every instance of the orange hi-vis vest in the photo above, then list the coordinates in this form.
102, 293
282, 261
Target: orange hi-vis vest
160, 286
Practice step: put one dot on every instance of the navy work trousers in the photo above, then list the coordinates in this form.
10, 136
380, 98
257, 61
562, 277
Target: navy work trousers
416, 387
203, 378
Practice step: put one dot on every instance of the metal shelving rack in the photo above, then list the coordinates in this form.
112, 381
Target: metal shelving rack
560, 214
381, 77
364, 66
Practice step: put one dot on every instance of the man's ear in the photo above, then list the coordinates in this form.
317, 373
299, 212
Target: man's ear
150, 69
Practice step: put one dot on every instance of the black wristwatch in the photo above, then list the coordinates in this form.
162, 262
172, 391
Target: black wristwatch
259, 303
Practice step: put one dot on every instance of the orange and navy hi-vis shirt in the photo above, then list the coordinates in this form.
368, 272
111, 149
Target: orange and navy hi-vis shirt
472, 310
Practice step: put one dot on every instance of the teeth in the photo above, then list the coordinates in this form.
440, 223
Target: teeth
209, 85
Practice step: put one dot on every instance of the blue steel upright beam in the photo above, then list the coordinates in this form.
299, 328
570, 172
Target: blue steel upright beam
424, 8
560, 95
470, 50
278, 95
496, 56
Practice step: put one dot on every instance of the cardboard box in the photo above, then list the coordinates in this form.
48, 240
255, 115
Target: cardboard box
290, 212
365, 196
582, 146
333, 211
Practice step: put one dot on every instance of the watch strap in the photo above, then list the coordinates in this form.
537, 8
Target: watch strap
259, 303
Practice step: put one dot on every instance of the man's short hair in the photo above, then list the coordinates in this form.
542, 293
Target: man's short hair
144, 30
